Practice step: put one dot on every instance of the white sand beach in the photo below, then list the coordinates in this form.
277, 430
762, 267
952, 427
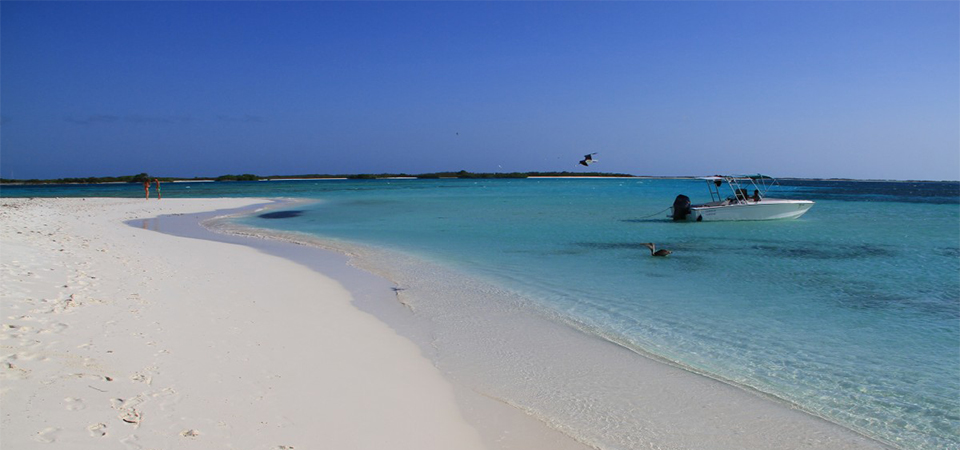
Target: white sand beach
117, 336
120, 337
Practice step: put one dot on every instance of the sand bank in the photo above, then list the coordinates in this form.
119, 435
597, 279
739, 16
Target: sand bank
119, 337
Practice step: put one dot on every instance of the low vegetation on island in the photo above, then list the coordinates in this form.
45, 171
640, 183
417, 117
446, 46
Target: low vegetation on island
139, 178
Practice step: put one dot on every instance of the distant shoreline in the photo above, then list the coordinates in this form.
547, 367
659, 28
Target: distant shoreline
434, 176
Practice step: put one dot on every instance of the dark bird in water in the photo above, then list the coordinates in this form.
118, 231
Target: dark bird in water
587, 160
655, 252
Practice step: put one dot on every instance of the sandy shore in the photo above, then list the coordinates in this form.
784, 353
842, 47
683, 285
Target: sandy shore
117, 336
120, 337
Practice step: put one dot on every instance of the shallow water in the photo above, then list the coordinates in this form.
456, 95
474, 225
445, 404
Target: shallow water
851, 312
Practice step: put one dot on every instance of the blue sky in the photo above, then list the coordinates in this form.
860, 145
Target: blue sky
792, 89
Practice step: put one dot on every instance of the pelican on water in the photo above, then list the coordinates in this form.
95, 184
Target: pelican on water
655, 252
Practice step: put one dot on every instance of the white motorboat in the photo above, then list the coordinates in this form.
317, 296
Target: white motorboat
739, 197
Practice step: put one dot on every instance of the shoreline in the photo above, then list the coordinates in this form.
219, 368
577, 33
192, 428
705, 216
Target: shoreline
494, 334
501, 425
673, 407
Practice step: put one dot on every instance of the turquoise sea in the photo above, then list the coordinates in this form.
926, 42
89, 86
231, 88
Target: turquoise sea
851, 312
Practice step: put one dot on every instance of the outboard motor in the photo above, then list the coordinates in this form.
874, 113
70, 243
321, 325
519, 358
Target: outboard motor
681, 207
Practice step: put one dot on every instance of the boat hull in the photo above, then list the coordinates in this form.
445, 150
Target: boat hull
764, 210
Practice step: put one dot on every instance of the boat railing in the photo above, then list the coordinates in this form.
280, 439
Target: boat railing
740, 193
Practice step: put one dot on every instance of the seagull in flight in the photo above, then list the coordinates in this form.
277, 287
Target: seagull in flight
588, 159
655, 252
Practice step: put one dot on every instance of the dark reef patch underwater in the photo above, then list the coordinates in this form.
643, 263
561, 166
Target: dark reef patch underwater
281, 215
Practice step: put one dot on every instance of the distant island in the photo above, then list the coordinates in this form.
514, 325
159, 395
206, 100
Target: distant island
463, 174
139, 178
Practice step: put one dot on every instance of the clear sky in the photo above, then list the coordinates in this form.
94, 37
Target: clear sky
790, 89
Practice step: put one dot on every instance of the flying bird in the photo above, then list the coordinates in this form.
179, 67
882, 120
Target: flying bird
588, 159
655, 252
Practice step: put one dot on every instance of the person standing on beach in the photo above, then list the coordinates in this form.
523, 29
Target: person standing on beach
157, 181
146, 189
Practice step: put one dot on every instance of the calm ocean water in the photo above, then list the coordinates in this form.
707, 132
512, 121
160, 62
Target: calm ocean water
851, 312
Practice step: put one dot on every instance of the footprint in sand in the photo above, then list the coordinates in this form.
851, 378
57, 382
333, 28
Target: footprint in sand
74, 404
98, 430
141, 378
128, 412
131, 416
47, 436
166, 398
13, 371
